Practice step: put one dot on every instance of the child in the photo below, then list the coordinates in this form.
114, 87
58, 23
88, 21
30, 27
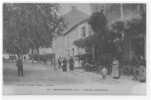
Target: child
104, 72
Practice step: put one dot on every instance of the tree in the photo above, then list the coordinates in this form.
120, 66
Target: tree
98, 22
117, 33
30, 26
130, 36
136, 31
96, 43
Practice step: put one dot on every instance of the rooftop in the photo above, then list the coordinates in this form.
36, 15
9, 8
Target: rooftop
73, 17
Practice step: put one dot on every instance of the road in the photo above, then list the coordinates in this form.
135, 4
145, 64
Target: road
42, 79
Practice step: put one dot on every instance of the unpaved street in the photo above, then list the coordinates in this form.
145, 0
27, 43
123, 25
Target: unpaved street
43, 79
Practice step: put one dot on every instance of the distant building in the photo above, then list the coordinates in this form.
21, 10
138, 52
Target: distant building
41, 51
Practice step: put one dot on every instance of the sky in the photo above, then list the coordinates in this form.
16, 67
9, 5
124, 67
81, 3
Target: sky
82, 7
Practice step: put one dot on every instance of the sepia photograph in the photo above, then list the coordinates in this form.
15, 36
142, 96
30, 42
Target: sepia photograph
74, 49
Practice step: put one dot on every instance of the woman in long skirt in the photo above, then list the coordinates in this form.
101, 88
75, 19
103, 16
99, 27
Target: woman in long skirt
115, 69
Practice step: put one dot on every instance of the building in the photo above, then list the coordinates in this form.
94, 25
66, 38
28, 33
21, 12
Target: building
77, 27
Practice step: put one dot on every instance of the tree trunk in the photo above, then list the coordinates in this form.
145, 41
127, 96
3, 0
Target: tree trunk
32, 52
130, 51
93, 53
126, 49
37, 49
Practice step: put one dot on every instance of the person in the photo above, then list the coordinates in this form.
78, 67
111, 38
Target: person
115, 68
71, 64
135, 63
19, 64
104, 72
64, 65
59, 62
142, 73
139, 72
53, 63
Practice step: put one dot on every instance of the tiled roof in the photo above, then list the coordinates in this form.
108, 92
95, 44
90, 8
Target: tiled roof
73, 18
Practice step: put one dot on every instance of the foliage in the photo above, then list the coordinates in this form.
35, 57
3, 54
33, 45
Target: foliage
136, 32
131, 37
100, 40
117, 37
98, 22
114, 41
30, 26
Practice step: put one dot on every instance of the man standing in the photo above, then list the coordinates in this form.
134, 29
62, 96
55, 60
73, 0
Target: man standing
19, 64
71, 64
59, 62
64, 66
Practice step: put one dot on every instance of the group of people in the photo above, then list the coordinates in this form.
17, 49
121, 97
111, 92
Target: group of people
68, 64
138, 69
114, 67
63, 63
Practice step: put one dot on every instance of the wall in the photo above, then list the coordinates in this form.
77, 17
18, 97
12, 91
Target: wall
64, 46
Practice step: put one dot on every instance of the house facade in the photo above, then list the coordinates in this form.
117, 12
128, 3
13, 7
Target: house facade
77, 28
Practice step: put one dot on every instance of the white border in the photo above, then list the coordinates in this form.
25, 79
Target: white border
148, 47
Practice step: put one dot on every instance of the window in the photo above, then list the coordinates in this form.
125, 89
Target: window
83, 32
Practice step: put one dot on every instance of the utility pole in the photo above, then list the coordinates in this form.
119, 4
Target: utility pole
121, 12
